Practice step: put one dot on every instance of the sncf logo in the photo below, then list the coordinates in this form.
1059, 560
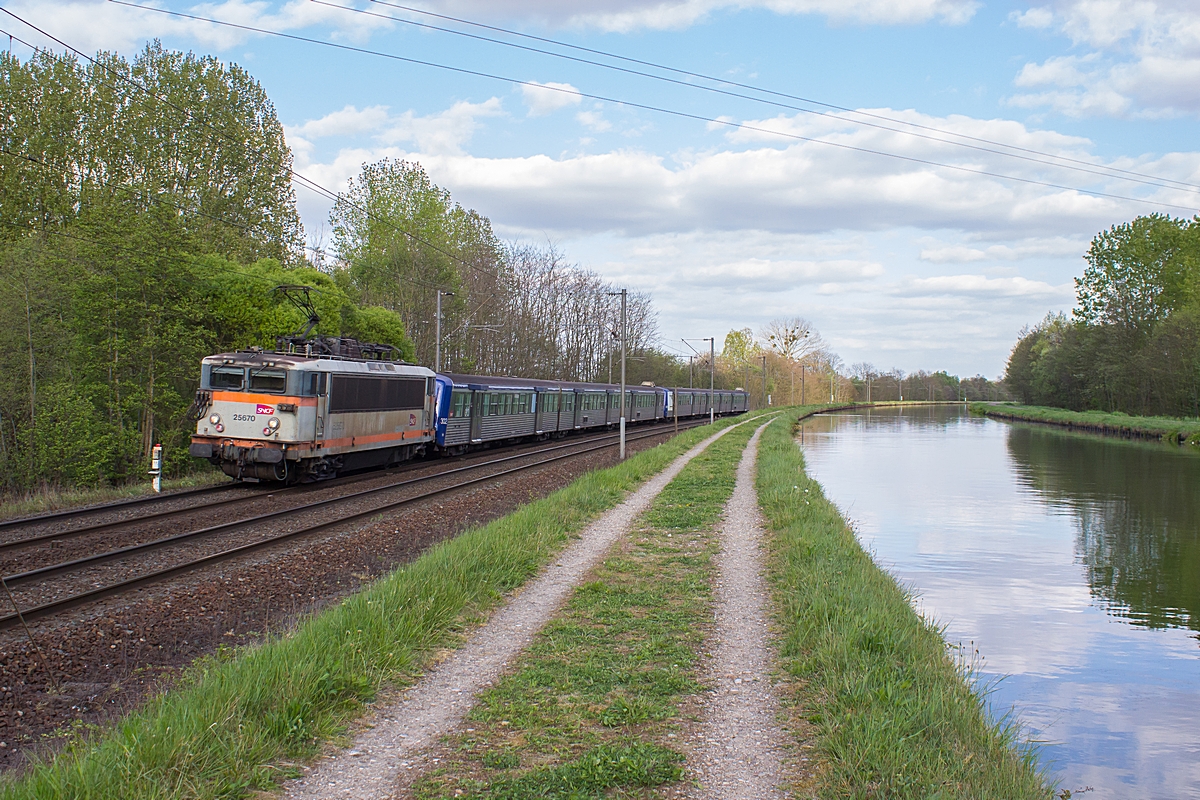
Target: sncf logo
264, 410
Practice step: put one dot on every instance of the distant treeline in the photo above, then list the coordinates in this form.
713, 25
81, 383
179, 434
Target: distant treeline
1132, 343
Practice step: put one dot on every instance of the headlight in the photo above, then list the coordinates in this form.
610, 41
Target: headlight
220, 428
272, 423
215, 419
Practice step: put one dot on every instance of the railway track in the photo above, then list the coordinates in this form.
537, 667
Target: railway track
254, 492
99, 591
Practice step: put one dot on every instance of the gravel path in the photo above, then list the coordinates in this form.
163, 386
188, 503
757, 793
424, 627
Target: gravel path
391, 752
740, 738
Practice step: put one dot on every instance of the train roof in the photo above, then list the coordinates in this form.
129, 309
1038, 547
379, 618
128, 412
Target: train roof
255, 358
500, 382
505, 382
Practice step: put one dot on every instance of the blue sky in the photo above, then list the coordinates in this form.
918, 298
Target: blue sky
897, 263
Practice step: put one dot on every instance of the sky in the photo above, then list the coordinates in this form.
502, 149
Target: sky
917, 178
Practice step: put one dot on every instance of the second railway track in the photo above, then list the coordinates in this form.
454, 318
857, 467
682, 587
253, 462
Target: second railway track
65, 585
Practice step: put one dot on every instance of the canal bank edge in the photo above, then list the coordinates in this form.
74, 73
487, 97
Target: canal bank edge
895, 715
1164, 429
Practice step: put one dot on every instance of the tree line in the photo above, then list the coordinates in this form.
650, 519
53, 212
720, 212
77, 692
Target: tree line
147, 212
1132, 344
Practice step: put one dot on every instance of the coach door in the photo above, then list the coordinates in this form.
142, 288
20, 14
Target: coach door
477, 412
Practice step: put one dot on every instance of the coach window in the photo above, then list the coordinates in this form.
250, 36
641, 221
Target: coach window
227, 378
460, 405
568, 402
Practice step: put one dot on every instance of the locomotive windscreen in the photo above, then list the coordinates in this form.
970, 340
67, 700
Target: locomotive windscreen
351, 393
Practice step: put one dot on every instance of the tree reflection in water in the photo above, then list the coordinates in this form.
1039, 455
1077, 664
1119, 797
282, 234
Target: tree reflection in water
1137, 507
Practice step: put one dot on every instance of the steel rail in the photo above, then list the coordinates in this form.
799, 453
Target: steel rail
530, 449
74, 601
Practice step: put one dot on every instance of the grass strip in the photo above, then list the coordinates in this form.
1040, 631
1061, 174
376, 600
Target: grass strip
1167, 429
592, 708
895, 716
244, 719
52, 498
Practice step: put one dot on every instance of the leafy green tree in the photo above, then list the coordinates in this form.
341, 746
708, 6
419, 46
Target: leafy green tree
1139, 272
404, 239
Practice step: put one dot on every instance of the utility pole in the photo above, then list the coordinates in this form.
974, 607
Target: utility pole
803, 368
623, 294
831, 376
712, 378
764, 359
437, 341
712, 371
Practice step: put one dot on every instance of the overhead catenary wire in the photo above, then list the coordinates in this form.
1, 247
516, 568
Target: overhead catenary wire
772, 92
1035, 156
659, 109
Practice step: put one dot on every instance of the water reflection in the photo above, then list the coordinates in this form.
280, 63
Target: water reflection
1069, 561
1137, 508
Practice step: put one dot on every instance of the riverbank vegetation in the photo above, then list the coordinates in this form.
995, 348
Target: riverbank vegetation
1166, 429
1132, 344
895, 716
243, 720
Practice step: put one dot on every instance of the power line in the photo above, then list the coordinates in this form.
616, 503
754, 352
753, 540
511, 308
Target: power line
750, 87
1091, 169
307, 182
657, 109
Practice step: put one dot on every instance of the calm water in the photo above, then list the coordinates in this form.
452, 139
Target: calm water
1071, 562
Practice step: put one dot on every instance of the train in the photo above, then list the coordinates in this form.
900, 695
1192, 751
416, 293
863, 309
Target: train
295, 415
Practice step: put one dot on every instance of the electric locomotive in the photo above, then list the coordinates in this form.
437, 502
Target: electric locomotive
302, 416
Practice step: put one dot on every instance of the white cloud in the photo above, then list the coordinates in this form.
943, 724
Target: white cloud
1033, 18
1144, 58
92, 25
95, 24
936, 251
546, 98
983, 286
442, 133
594, 120
347, 122
807, 187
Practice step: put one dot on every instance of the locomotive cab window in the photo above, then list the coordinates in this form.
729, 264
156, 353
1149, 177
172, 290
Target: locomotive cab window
315, 383
268, 380
227, 378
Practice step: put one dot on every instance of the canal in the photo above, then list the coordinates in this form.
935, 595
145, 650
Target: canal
1069, 562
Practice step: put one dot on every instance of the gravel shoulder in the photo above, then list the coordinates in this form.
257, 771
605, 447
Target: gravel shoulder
739, 741
392, 749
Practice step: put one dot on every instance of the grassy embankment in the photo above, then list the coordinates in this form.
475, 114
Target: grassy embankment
594, 707
1166, 429
894, 715
245, 719
51, 498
